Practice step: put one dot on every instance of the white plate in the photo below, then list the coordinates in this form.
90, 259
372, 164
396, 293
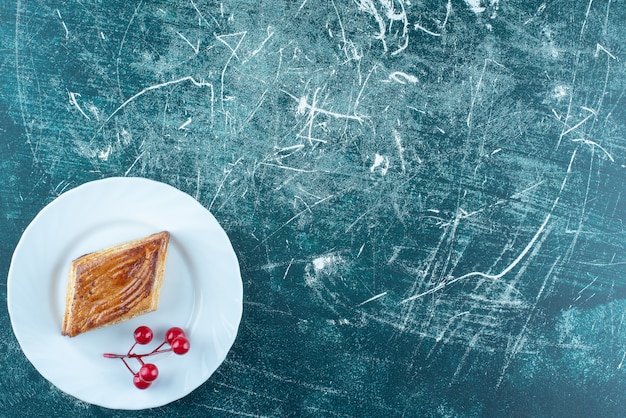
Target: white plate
202, 291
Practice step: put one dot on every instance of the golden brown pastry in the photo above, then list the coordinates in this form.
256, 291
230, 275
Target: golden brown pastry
115, 284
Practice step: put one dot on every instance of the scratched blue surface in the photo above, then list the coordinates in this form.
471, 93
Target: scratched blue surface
426, 197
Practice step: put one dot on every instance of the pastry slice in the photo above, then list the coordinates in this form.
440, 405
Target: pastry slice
115, 284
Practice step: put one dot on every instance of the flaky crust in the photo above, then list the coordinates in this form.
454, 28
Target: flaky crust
115, 284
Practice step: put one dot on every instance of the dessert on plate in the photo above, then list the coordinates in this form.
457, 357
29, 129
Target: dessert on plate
115, 284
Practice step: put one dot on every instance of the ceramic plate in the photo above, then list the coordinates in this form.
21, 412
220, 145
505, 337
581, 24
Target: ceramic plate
201, 293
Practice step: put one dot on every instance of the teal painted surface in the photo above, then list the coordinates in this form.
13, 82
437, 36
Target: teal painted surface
427, 198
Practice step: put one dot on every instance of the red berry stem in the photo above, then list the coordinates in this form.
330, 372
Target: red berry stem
127, 366
137, 356
167, 350
109, 355
174, 337
157, 349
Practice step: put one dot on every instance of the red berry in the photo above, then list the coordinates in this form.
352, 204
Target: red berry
173, 333
143, 335
140, 383
148, 372
180, 345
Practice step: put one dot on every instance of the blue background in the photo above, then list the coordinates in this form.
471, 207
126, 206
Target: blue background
427, 198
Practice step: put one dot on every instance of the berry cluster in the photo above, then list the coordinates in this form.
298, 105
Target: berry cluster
148, 372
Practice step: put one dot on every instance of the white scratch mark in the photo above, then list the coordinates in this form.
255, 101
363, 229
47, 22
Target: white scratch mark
603, 49
402, 78
582, 29
394, 256
287, 269
75, 103
284, 167
312, 110
118, 60
381, 162
67, 32
348, 47
619, 366
380, 295
390, 13
231, 412
478, 87
65, 186
312, 139
287, 151
521, 339
369, 7
545, 281
233, 53
94, 111
423, 112
589, 285
202, 17
609, 264
134, 162
358, 97
398, 140
449, 324
270, 33
448, 12
301, 6
526, 190
196, 47
155, 87
401, 17
262, 98
303, 106
198, 181
293, 218
539, 11
343, 32
595, 144
573, 128
516, 261
468, 350
256, 109
104, 155
184, 124
475, 6
588, 109
219, 188
417, 26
